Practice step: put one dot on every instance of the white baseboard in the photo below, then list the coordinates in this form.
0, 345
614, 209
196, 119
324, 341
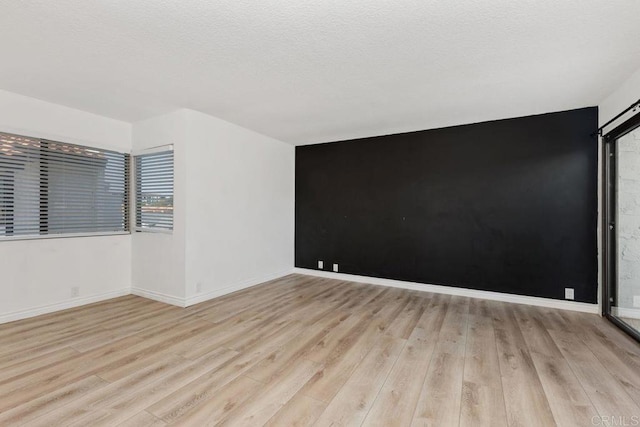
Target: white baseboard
629, 313
197, 299
158, 296
449, 290
50, 308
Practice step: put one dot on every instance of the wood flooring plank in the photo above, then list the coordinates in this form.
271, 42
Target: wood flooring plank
262, 293
286, 298
403, 324
349, 351
28, 365
48, 402
184, 399
262, 407
625, 348
91, 403
36, 325
145, 394
398, 398
339, 337
155, 344
525, 405
622, 365
300, 411
482, 395
441, 397
304, 351
110, 362
217, 406
605, 391
49, 379
142, 419
354, 400
568, 401
294, 349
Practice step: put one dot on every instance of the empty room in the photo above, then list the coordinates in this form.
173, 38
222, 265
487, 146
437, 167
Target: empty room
330, 213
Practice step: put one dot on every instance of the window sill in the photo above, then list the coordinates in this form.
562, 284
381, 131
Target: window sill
63, 236
152, 230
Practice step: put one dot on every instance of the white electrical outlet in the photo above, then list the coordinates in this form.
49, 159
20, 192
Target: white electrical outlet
320, 265
75, 292
568, 293
335, 268
636, 301
198, 287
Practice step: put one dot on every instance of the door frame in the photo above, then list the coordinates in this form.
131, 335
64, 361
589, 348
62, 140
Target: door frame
609, 206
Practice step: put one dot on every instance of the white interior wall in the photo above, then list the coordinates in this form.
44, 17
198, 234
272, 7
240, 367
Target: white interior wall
37, 275
158, 259
240, 207
240, 215
233, 213
627, 93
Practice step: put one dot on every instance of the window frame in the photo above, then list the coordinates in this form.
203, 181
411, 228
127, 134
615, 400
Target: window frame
61, 235
134, 190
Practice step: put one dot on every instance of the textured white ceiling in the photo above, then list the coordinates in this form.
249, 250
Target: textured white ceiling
316, 71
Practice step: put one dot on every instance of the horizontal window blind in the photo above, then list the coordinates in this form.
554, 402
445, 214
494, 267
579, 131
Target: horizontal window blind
49, 187
154, 190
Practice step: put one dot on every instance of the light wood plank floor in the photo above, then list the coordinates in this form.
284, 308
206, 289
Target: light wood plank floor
303, 351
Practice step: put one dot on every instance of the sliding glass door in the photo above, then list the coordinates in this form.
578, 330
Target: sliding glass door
622, 226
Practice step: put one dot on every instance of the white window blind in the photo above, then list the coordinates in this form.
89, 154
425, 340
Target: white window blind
50, 188
154, 190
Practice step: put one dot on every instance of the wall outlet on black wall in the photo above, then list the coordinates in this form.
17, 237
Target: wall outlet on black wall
335, 268
569, 293
320, 265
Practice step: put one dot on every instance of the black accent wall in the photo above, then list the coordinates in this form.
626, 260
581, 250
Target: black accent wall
507, 206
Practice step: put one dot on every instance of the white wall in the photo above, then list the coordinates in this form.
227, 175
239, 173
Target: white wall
240, 207
37, 275
233, 213
233, 219
625, 95
158, 260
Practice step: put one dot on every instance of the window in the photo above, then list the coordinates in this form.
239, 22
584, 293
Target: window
154, 190
56, 188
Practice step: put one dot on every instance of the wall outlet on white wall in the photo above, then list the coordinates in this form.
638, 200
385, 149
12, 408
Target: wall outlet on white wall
568, 293
198, 287
335, 267
75, 292
320, 265
636, 301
